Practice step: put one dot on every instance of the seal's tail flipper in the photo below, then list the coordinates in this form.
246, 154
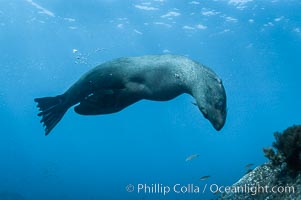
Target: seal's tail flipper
52, 109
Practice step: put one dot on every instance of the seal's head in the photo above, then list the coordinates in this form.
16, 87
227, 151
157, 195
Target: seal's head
212, 102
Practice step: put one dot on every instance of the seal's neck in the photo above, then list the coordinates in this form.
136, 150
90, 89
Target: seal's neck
200, 80
203, 86
210, 96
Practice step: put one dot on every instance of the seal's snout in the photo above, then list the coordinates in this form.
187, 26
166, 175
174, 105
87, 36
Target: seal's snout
216, 116
219, 124
217, 120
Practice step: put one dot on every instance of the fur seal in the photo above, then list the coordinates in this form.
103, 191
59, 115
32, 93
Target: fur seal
116, 84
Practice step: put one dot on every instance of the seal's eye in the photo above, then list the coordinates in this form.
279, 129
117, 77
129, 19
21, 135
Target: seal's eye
224, 111
219, 104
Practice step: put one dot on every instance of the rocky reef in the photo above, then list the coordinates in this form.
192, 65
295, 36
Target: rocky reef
278, 179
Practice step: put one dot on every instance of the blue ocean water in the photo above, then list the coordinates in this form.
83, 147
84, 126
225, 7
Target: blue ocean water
46, 45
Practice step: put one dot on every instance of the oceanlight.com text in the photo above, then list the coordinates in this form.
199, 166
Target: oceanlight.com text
251, 189
162, 189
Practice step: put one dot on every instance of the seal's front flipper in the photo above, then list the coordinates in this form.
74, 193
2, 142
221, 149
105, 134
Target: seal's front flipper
52, 109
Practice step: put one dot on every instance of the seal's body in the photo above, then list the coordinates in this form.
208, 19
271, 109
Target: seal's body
114, 85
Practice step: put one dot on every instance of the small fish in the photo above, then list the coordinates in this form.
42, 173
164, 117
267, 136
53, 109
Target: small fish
249, 165
203, 178
189, 158
100, 49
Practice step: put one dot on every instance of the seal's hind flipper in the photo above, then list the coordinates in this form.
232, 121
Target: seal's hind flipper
52, 109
